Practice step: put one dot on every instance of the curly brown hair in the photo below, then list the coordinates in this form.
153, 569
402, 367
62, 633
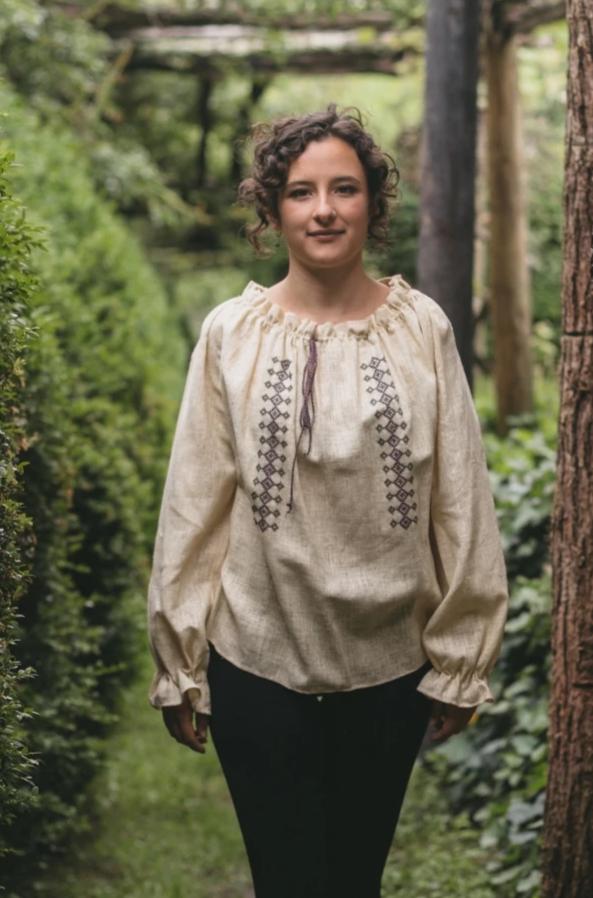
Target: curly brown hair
278, 143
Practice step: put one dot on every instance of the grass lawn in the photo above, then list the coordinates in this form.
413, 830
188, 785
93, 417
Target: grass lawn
166, 829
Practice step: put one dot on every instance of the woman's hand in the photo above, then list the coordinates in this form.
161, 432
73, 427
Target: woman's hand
179, 721
446, 720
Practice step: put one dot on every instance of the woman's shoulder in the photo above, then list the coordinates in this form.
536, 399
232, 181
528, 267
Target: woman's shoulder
219, 317
422, 310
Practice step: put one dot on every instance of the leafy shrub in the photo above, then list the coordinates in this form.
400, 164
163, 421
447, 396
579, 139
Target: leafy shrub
522, 467
103, 381
496, 770
17, 285
55, 59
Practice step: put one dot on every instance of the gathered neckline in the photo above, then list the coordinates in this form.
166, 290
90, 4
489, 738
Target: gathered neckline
382, 318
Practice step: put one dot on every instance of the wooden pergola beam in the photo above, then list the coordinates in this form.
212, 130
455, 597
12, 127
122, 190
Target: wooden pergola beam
314, 61
523, 18
118, 20
205, 42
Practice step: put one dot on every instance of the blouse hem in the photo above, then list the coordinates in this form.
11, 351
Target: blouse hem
323, 690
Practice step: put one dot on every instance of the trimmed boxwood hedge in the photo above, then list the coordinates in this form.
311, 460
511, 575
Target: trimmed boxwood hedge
97, 366
17, 285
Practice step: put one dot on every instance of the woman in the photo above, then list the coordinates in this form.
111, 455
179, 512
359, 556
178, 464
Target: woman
328, 573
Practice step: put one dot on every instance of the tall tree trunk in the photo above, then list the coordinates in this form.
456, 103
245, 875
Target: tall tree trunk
447, 197
510, 303
568, 818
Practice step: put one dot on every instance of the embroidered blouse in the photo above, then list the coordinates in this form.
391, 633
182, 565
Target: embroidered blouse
327, 520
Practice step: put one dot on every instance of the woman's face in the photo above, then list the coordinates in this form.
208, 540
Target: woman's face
324, 205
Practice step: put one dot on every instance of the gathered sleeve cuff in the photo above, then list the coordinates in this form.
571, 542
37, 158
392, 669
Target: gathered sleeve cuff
464, 689
166, 690
193, 531
463, 636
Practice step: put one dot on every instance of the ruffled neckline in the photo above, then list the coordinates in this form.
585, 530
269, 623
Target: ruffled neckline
383, 317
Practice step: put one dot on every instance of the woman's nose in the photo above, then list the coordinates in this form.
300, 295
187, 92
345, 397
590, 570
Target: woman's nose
324, 209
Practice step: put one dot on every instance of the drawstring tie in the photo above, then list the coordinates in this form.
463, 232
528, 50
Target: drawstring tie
306, 419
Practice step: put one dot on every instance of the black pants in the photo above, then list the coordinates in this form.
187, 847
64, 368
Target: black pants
317, 785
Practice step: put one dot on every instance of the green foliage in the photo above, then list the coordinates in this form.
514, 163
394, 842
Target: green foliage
267, 9
162, 813
17, 286
54, 59
522, 472
496, 770
103, 379
455, 866
62, 65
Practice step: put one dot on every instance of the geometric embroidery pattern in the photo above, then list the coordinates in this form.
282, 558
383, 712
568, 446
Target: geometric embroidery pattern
392, 437
266, 497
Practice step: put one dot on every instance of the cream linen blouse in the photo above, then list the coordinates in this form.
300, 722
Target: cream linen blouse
327, 520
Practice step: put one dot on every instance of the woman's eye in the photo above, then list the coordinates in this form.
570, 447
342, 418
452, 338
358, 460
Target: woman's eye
298, 192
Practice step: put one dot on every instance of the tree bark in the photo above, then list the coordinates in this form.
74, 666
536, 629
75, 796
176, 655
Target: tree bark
510, 301
568, 818
445, 255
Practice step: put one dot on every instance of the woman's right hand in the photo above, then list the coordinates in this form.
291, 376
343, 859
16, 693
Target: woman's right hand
179, 721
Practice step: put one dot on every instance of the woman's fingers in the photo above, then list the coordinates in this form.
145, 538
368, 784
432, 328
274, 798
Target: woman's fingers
202, 721
447, 720
170, 721
188, 735
179, 723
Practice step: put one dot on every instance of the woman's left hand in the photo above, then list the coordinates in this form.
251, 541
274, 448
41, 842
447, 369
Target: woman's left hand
446, 720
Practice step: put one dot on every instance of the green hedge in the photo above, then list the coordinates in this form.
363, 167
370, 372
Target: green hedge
103, 379
17, 286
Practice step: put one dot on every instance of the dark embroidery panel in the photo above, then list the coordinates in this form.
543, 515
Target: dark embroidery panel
269, 482
391, 428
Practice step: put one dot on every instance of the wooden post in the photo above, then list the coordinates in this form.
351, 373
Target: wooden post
510, 304
445, 257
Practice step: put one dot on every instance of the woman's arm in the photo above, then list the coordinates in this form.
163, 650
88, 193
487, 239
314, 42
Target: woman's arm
462, 638
192, 534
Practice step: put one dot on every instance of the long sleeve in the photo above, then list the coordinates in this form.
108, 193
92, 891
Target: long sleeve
192, 533
462, 637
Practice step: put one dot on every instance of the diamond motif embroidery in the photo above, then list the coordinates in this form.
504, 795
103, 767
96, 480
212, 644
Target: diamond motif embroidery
266, 497
391, 429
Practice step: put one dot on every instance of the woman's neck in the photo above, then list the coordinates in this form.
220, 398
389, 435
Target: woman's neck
329, 294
